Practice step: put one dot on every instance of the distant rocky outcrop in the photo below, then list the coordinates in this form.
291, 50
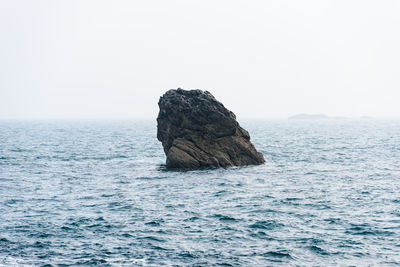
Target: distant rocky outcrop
198, 131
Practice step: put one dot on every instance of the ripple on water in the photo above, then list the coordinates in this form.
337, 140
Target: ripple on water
317, 250
278, 255
154, 223
267, 225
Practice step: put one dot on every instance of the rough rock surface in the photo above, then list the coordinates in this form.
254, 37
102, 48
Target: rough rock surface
198, 131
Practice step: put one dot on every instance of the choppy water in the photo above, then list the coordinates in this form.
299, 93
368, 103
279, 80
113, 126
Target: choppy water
96, 192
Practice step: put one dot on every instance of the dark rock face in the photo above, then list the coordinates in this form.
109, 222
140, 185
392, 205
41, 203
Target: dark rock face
198, 131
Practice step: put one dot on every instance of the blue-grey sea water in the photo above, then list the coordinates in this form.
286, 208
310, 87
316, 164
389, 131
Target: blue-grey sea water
97, 193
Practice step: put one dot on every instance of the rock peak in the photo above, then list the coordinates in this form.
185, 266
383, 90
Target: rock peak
197, 131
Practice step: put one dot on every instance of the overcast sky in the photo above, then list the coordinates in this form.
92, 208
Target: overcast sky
102, 59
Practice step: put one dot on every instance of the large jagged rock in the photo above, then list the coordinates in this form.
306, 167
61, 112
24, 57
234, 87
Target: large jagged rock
198, 131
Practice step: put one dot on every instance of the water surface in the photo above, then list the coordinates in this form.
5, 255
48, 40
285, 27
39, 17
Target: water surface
97, 192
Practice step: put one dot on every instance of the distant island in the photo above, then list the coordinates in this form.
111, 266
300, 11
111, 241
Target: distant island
313, 117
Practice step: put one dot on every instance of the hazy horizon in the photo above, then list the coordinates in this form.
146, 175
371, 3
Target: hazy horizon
239, 118
103, 59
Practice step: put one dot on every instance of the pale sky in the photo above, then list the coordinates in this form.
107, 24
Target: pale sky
113, 59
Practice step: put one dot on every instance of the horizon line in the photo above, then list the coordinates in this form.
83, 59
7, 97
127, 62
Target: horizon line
328, 117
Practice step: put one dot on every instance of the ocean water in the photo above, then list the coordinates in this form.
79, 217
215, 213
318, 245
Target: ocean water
97, 193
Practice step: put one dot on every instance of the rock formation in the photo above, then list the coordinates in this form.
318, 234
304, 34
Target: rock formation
198, 131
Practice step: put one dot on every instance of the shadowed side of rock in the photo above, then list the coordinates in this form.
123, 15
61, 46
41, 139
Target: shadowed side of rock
198, 131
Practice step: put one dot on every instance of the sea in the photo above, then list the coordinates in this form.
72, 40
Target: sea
97, 192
